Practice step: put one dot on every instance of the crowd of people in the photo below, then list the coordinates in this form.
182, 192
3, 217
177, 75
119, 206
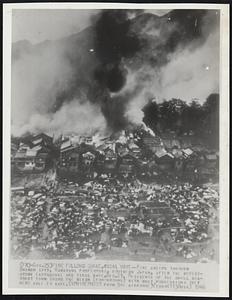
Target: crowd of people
69, 220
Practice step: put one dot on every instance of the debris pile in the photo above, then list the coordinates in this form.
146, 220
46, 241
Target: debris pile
72, 220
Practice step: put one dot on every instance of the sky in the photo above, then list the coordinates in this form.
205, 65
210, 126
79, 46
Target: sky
37, 25
190, 72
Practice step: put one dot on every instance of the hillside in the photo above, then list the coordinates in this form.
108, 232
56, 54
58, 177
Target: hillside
107, 66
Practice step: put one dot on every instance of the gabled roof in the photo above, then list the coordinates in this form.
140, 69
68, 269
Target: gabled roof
65, 144
14, 147
23, 146
132, 146
40, 137
20, 154
31, 152
100, 147
37, 141
187, 152
37, 148
161, 153
43, 135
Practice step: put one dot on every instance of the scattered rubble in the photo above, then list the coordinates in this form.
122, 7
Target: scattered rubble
72, 220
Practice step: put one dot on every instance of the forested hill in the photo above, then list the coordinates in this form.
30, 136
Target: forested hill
194, 118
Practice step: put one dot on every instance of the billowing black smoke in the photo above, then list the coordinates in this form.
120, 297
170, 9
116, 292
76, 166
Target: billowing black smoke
120, 44
108, 64
114, 41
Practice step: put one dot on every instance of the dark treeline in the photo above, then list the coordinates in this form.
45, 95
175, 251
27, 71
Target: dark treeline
201, 120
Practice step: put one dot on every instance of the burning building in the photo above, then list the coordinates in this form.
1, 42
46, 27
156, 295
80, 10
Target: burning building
110, 160
170, 142
134, 149
153, 143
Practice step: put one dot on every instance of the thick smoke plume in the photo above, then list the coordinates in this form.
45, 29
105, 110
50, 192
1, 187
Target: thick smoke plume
101, 77
114, 42
181, 59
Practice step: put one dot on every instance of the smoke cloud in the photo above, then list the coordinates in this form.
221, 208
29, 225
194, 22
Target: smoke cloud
183, 63
113, 42
100, 78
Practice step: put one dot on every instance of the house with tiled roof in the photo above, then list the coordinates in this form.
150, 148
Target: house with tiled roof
35, 154
134, 149
211, 160
153, 143
69, 160
110, 160
127, 163
164, 160
170, 143
210, 166
187, 152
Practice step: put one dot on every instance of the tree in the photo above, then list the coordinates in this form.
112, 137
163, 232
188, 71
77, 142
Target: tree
211, 118
192, 118
170, 114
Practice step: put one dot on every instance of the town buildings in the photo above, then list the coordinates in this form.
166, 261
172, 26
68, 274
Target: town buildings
35, 154
129, 154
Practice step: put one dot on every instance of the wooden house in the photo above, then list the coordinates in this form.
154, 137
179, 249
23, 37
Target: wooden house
110, 160
187, 153
121, 149
127, 164
13, 151
153, 143
211, 160
164, 160
134, 149
36, 154
69, 161
170, 143
178, 160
